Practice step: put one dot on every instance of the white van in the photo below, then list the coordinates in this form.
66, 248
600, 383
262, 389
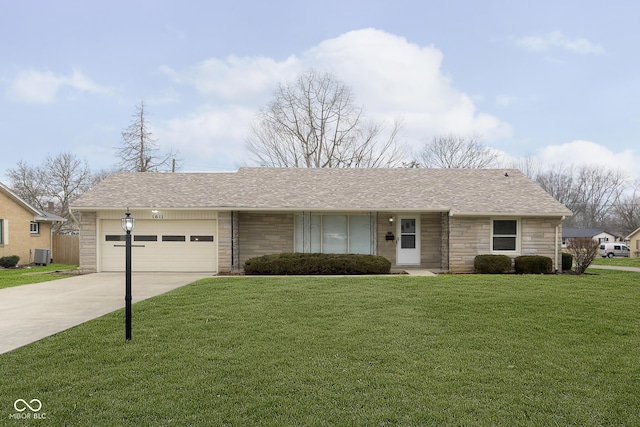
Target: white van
614, 249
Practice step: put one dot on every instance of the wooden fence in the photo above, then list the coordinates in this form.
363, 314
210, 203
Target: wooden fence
66, 249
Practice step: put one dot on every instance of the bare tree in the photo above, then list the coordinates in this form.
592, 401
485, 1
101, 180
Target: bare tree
53, 185
590, 192
584, 250
138, 151
456, 151
627, 210
313, 122
529, 165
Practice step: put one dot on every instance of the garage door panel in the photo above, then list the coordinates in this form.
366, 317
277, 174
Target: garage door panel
161, 246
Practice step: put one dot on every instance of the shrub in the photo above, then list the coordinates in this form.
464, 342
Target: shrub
584, 250
9, 261
306, 264
491, 264
533, 264
567, 261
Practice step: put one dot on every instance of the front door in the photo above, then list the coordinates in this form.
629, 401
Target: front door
408, 241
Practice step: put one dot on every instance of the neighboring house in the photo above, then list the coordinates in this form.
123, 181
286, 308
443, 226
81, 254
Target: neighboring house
633, 240
23, 228
437, 219
600, 235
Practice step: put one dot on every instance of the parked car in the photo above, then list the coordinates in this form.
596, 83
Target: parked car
614, 249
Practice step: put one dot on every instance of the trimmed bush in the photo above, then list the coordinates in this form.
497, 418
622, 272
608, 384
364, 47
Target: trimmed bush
9, 261
567, 261
533, 264
307, 264
491, 264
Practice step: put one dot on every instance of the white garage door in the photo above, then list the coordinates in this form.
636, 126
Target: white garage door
168, 246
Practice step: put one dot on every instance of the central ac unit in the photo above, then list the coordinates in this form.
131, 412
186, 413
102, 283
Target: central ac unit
41, 257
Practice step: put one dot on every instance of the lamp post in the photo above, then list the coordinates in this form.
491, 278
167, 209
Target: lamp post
127, 225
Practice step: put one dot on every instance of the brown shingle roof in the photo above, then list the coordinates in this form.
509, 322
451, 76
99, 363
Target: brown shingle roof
461, 191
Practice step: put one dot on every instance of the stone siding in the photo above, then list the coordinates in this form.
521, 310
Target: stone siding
264, 233
224, 242
88, 242
430, 241
469, 237
386, 248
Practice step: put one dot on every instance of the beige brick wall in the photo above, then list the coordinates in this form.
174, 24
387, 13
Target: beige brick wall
262, 233
20, 240
88, 242
469, 237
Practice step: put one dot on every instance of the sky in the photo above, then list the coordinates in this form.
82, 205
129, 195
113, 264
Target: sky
556, 80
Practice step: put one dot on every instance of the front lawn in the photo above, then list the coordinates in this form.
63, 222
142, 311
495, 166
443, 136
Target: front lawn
35, 274
359, 351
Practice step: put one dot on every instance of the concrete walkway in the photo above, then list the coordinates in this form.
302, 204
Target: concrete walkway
29, 313
615, 267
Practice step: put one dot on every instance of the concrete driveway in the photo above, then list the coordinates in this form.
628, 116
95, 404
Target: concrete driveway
29, 313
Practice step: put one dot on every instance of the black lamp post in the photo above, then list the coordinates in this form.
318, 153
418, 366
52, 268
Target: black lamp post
127, 225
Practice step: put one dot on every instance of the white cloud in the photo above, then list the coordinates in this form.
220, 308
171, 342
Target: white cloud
42, 87
580, 152
505, 101
557, 39
391, 77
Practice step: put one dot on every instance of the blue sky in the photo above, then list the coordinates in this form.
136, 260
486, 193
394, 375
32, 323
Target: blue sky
553, 79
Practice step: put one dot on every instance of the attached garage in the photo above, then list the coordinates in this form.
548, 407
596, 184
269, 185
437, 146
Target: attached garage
160, 245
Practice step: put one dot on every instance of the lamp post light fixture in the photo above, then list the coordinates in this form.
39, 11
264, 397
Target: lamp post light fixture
127, 225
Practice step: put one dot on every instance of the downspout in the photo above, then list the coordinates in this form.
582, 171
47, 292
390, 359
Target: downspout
232, 245
556, 247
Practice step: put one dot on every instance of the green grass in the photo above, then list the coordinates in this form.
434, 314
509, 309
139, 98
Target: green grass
22, 276
624, 262
360, 351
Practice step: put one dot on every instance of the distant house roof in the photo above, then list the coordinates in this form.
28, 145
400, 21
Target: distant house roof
457, 191
569, 233
38, 214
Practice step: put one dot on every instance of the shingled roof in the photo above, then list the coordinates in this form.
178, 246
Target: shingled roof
458, 191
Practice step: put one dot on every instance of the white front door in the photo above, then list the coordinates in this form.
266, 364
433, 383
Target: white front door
408, 240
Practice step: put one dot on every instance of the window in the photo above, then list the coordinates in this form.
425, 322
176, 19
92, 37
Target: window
34, 227
201, 238
1, 232
173, 238
115, 238
145, 238
504, 235
335, 234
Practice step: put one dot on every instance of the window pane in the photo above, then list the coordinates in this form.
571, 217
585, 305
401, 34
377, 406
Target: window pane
334, 234
173, 238
115, 238
505, 227
143, 238
201, 238
504, 243
408, 241
308, 237
300, 233
315, 234
408, 225
359, 234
